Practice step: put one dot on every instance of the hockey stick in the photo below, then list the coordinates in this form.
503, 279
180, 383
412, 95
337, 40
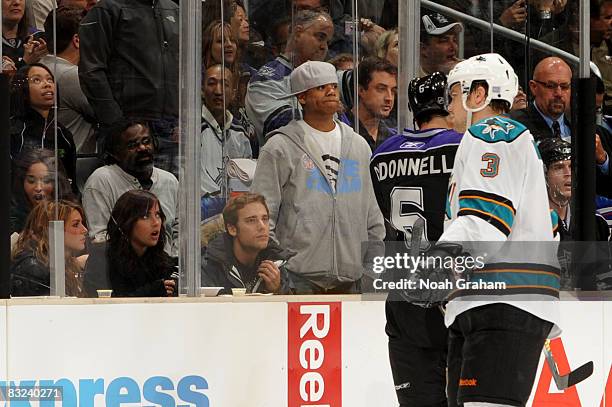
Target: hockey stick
572, 378
415, 239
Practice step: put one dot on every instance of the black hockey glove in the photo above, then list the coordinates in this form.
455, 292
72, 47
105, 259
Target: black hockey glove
436, 275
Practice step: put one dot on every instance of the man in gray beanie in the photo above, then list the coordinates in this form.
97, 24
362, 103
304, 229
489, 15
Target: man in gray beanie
314, 175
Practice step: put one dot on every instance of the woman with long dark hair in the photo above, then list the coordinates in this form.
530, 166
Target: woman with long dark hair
30, 257
132, 262
36, 178
18, 46
33, 95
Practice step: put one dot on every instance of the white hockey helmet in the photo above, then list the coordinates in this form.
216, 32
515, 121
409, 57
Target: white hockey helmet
491, 68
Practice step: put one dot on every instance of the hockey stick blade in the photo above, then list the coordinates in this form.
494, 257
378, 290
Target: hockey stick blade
580, 374
572, 378
416, 236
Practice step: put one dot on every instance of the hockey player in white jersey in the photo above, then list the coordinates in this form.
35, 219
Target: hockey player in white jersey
497, 193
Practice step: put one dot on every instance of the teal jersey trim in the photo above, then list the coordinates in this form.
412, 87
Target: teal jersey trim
541, 280
497, 129
554, 219
496, 210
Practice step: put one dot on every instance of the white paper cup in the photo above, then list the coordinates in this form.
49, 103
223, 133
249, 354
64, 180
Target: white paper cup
210, 291
104, 293
238, 291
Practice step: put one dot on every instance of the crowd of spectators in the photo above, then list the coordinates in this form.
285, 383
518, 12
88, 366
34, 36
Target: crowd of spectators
100, 80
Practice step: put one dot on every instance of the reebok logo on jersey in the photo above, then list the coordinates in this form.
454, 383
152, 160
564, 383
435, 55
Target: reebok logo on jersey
468, 382
412, 144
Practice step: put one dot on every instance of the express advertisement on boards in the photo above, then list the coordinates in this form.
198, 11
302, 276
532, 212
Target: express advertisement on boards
116, 392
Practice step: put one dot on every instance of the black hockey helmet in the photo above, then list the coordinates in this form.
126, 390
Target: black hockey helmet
553, 150
426, 95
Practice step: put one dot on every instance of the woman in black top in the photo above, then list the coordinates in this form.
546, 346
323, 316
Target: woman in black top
33, 95
132, 262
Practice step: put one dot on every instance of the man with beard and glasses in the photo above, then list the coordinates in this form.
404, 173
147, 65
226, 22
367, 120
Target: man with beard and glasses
130, 151
377, 89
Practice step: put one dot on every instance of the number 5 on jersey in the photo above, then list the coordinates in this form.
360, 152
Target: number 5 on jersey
406, 207
492, 168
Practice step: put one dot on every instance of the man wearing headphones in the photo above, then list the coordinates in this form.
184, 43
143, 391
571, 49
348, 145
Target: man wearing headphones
129, 165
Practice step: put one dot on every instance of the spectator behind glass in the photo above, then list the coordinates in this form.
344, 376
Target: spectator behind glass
601, 46
34, 177
220, 139
30, 256
73, 111
216, 50
520, 100
32, 95
130, 152
439, 44
240, 25
266, 101
38, 11
387, 47
128, 67
85, 5
343, 62
18, 46
314, 170
220, 48
132, 262
245, 256
277, 35
377, 91
551, 87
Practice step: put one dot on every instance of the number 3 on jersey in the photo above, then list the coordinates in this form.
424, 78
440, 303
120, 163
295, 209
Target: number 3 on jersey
406, 208
492, 168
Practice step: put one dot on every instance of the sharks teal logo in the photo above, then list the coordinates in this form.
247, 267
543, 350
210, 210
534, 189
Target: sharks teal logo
493, 126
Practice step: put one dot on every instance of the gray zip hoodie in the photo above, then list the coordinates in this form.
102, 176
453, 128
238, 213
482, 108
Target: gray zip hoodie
326, 228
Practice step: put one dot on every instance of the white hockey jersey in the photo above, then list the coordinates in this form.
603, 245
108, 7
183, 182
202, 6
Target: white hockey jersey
497, 193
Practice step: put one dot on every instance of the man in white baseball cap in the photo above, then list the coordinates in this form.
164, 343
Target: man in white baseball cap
314, 175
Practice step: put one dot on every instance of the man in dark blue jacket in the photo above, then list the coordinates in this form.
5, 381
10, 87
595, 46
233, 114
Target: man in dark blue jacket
245, 256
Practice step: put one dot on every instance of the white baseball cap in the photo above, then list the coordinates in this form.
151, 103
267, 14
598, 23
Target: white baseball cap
310, 75
437, 24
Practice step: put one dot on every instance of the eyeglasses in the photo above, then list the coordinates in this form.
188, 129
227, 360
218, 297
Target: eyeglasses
554, 85
134, 144
37, 80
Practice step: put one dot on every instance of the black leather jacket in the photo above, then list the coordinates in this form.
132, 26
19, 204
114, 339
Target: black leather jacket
129, 59
28, 276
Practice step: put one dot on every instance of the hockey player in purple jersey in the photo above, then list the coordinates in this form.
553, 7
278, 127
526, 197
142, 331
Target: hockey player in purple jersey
410, 174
